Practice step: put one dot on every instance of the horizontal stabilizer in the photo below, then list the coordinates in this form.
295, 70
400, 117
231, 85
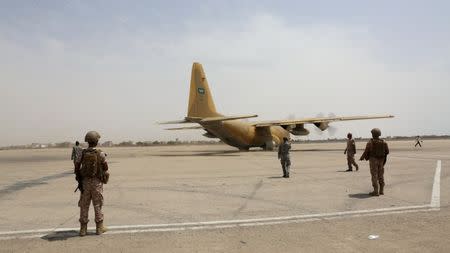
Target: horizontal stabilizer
185, 128
174, 122
224, 118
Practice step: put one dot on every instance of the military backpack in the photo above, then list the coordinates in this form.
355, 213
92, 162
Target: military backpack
90, 163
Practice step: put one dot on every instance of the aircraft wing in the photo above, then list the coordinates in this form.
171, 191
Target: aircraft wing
316, 120
185, 128
207, 119
225, 118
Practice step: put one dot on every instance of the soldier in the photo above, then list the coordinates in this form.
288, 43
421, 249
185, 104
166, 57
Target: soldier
283, 155
93, 172
418, 141
350, 150
76, 153
376, 152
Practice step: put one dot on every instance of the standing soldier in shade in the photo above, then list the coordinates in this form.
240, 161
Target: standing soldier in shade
93, 173
76, 153
283, 155
376, 152
351, 151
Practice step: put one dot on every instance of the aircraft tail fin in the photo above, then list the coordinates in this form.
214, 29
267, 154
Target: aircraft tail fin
201, 104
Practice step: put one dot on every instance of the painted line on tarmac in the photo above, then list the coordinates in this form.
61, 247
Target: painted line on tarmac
436, 193
130, 229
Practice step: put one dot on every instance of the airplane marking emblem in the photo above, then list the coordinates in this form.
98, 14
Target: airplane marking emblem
201, 91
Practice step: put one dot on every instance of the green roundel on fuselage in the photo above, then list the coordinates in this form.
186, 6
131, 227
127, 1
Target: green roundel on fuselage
201, 91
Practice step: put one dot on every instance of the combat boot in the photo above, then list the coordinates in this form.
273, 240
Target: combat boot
375, 192
381, 189
83, 229
357, 167
100, 229
349, 169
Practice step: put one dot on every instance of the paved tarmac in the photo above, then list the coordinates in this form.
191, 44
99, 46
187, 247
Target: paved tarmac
216, 199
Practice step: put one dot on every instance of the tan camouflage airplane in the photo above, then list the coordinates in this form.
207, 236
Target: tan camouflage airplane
241, 134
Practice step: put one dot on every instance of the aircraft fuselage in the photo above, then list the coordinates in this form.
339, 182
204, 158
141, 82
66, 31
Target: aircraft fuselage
243, 135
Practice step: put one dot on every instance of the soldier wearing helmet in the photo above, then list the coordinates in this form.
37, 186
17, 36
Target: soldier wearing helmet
376, 152
92, 172
283, 155
351, 151
76, 153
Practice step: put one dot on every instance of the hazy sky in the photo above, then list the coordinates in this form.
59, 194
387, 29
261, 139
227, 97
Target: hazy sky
120, 66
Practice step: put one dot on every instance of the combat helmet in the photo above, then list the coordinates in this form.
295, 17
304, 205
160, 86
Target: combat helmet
92, 137
376, 132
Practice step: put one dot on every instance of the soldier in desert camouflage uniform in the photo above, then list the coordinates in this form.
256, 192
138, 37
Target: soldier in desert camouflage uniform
376, 152
283, 155
351, 151
93, 171
76, 153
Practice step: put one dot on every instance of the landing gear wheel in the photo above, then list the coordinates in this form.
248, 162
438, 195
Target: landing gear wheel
269, 146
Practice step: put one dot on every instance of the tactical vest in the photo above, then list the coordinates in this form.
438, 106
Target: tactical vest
91, 164
378, 148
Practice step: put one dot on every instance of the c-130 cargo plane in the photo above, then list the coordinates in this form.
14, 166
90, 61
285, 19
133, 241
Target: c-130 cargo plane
241, 134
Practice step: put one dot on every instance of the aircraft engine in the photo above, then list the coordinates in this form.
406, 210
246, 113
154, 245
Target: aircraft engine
322, 125
299, 130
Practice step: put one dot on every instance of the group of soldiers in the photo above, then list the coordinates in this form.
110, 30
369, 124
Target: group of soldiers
376, 152
91, 172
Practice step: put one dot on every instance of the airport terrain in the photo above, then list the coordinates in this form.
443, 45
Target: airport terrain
212, 198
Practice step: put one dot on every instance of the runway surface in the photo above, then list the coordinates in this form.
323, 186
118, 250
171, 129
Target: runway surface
215, 199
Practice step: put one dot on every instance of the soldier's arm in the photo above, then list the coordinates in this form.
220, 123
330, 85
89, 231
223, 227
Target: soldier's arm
104, 162
386, 148
73, 154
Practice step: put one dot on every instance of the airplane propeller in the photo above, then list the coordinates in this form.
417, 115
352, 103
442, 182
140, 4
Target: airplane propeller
332, 130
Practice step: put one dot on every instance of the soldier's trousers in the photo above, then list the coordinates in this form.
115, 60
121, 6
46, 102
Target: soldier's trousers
285, 165
92, 191
351, 161
377, 172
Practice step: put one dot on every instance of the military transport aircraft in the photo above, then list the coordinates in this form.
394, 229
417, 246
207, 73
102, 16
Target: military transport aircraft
241, 134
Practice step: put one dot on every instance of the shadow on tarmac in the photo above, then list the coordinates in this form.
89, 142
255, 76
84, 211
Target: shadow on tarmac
360, 196
215, 153
22, 185
345, 171
61, 235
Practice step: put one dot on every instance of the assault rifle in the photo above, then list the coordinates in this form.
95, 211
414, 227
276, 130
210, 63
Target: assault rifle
80, 183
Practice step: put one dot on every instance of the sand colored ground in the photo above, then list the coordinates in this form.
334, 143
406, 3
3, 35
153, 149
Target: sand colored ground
167, 185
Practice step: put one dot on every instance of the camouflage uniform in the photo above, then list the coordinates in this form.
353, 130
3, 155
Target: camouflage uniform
376, 152
92, 191
351, 151
283, 155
